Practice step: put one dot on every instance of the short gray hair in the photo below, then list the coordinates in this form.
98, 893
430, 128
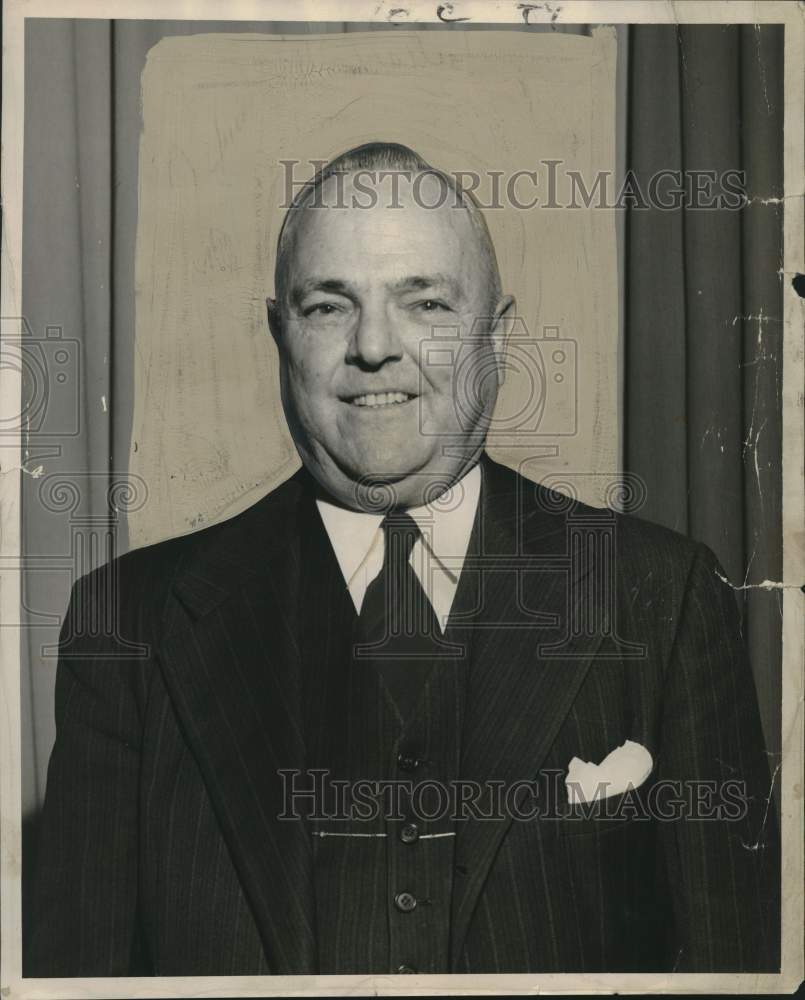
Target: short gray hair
382, 156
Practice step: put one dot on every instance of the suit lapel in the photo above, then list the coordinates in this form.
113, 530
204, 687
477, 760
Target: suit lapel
234, 678
518, 694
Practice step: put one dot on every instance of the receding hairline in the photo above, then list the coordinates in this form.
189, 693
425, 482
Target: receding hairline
377, 157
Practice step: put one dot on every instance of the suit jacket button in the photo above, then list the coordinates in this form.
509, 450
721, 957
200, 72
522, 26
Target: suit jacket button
405, 902
406, 969
409, 834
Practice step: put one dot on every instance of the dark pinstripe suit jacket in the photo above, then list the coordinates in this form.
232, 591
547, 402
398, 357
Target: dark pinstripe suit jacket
160, 851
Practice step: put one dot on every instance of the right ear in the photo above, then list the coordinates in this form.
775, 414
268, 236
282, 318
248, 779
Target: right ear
500, 329
274, 320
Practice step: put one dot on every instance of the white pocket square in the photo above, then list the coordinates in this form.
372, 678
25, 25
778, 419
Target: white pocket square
626, 767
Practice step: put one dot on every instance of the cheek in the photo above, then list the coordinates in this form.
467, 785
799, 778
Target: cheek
309, 366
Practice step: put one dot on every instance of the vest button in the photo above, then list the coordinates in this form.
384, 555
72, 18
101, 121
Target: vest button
405, 902
407, 761
406, 969
409, 834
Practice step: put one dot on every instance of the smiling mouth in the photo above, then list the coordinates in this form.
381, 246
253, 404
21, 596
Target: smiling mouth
375, 400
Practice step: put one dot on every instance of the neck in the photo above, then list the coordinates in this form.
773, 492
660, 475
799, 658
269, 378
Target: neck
379, 494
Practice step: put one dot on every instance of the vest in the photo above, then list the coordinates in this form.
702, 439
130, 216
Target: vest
384, 840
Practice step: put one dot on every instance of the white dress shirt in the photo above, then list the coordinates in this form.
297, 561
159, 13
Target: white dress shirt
437, 557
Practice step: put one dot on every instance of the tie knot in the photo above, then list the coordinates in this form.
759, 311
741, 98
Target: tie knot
401, 532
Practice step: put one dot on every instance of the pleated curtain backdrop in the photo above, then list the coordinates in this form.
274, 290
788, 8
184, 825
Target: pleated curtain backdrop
703, 313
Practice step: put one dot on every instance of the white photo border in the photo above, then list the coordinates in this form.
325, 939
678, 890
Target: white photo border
792, 778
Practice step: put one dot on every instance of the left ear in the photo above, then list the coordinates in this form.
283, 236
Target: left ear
274, 320
500, 330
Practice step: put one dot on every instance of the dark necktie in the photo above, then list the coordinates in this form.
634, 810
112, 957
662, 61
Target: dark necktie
397, 631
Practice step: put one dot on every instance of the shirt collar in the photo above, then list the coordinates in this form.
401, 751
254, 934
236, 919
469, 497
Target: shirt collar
446, 524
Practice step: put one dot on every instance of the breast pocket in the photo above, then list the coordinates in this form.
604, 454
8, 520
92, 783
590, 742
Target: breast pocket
605, 816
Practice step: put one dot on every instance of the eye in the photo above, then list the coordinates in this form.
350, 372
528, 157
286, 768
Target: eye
433, 305
322, 309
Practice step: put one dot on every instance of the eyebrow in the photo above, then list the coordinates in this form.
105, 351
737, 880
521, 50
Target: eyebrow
418, 282
414, 282
319, 285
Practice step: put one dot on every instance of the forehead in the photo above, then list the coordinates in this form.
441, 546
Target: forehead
362, 225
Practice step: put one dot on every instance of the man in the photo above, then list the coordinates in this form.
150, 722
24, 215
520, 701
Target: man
252, 768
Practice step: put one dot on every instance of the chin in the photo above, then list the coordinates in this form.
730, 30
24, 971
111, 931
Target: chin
385, 467
381, 458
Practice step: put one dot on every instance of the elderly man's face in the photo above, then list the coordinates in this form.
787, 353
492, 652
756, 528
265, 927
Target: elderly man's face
365, 396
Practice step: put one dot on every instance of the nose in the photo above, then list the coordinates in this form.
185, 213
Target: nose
374, 339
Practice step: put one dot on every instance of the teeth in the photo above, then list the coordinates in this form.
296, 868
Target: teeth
381, 398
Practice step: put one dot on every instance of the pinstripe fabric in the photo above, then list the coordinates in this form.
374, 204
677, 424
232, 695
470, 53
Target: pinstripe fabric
355, 732
160, 848
350, 732
189, 870
626, 894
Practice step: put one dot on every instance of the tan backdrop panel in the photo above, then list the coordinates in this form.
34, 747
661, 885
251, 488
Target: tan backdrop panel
221, 111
